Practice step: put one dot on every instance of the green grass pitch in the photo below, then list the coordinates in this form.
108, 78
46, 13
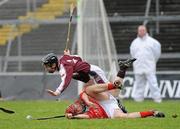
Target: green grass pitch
53, 108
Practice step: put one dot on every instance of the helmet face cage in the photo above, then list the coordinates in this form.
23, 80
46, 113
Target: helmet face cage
50, 59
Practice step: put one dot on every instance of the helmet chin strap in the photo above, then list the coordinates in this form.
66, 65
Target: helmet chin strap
51, 72
57, 67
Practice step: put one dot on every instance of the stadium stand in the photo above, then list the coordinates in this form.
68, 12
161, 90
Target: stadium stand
169, 36
125, 7
169, 7
137, 8
45, 39
18, 7
125, 32
39, 41
47, 11
51, 37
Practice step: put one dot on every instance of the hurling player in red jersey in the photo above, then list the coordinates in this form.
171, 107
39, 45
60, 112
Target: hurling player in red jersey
104, 105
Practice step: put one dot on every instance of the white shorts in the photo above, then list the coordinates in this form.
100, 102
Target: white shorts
109, 105
100, 76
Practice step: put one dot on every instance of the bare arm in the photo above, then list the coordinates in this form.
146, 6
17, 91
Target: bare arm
86, 100
66, 76
79, 116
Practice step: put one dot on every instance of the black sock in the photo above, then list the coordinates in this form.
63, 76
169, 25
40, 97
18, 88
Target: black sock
121, 73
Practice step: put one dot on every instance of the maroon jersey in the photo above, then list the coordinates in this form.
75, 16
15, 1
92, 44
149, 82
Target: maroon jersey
70, 64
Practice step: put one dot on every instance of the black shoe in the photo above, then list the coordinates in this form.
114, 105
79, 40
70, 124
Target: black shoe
158, 114
125, 64
121, 106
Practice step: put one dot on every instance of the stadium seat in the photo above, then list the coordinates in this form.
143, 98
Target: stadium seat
48, 11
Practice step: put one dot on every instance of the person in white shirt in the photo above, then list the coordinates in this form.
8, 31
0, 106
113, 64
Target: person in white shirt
147, 51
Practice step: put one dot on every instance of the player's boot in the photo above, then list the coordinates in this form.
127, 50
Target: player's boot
125, 64
158, 114
121, 73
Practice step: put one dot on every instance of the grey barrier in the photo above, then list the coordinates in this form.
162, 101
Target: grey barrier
29, 86
32, 86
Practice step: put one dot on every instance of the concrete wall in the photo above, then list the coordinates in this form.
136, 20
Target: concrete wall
33, 87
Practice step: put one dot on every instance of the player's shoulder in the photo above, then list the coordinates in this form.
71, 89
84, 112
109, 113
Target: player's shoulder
64, 58
70, 57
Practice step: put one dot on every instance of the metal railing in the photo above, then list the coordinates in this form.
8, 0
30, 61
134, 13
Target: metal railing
31, 5
3, 2
20, 58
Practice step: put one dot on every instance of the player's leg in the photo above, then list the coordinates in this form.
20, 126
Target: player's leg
81, 76
100, 78
119, 114
85, 98
99, 88
124, 65
98, 74
118, 81
97, 91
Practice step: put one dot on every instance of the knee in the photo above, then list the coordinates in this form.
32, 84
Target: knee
89, 90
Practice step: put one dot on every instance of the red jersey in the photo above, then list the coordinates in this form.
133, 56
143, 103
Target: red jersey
79, 107
68, 65
96, 112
